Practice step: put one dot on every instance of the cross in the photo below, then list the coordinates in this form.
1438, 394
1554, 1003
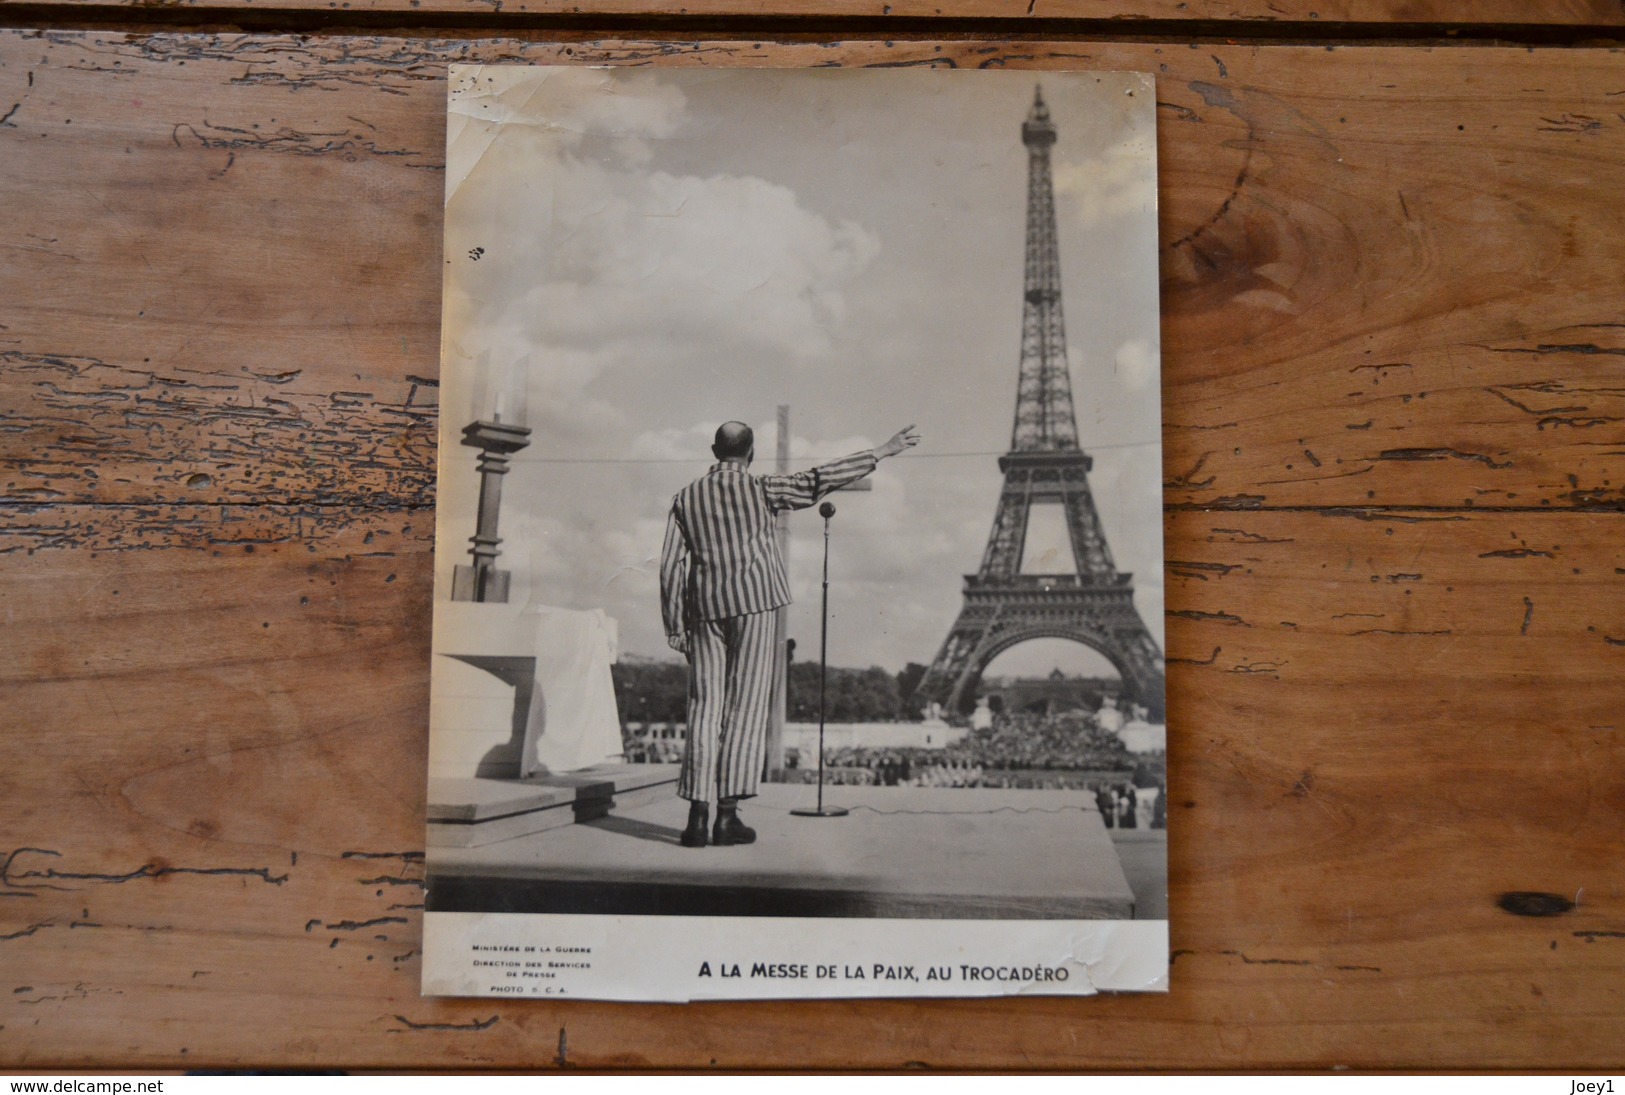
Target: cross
773, 762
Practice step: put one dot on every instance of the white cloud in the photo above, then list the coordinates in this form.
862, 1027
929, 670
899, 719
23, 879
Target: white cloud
1137, 368
555, 109
1119, 180
567, 256
635, 258
671, 443
651, 261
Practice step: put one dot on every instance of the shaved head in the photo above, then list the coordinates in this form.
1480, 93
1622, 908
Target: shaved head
734, 441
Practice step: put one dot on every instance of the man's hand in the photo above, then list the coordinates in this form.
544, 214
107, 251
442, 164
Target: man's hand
678, 643
904, 438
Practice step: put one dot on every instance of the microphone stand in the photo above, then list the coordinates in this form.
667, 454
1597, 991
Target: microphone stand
827, 510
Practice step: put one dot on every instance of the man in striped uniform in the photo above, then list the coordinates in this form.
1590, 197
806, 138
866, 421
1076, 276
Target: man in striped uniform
721, 577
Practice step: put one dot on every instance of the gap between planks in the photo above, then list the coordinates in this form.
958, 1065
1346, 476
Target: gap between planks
791, 27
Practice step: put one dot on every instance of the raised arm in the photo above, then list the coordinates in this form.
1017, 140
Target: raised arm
805, 488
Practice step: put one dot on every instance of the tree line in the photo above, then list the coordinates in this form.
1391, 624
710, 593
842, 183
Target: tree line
657, 691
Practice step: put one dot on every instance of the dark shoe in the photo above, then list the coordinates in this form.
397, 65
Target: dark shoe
698, 815
730, 830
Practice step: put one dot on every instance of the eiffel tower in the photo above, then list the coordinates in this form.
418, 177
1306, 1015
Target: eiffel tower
1005, 604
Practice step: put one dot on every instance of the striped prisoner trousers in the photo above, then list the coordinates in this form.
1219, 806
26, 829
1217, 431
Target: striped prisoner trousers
730, 692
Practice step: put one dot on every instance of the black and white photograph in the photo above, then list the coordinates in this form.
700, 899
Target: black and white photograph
798, 616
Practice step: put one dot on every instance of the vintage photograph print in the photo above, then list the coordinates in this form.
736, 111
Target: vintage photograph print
798, 618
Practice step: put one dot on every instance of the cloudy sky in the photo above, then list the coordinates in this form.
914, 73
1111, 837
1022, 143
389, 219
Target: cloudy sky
635, 255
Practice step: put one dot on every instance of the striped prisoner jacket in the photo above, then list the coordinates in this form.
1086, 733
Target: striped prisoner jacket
720, 557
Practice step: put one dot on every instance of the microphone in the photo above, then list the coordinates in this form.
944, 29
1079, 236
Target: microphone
828, 511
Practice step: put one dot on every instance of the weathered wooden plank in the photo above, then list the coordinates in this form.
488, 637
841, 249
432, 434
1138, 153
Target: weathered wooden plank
1388, 273
219, 753
81, 428
1385, 718
1436, 17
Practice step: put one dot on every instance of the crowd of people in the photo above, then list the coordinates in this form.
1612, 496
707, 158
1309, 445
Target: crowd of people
889, 768
1019, 751
653, 743
1070, 741
1126, 806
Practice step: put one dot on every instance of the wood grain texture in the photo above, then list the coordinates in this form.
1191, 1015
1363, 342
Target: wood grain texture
1369, 754
1242, 17
1396, 640
1388, 278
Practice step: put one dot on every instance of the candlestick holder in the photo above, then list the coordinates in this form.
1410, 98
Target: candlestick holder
482, 581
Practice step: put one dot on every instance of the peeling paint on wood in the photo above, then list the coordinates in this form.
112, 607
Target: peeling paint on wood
1391, 344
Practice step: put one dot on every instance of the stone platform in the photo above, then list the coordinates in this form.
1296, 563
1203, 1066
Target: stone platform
469, 813
906, 852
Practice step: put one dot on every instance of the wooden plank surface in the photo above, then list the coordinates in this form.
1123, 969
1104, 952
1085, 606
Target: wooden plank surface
1388, 276
1244, 17
1393, 362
